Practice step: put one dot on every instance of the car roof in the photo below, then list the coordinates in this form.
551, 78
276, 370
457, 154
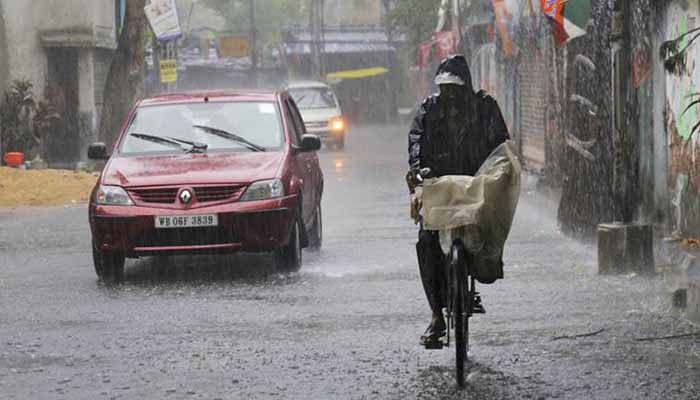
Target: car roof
212, 95
306, 84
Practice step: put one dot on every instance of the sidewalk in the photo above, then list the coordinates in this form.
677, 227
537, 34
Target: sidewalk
21, 188
681, 275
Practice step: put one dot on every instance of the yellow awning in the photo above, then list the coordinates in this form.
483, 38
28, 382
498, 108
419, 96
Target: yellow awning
356, 73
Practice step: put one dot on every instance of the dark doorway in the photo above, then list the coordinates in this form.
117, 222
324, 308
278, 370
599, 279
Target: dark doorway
62, 93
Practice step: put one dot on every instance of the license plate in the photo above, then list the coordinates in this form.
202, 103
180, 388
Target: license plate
186, 221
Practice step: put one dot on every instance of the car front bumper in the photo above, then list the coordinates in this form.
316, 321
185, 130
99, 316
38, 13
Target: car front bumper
256, 226
326, 134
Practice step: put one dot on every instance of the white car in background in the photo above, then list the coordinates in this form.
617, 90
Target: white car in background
320, 110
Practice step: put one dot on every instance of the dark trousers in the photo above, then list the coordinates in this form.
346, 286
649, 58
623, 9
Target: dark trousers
431, 262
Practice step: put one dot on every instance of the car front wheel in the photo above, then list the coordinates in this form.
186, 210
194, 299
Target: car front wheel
109, 266
288, 257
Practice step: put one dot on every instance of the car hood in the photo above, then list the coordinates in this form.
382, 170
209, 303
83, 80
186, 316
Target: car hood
183, 169
319, 114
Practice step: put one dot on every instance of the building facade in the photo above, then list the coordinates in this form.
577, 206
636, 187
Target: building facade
64, 48
599, 118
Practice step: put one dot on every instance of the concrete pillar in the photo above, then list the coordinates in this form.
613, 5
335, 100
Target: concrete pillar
87, 118
4, 68
624, 248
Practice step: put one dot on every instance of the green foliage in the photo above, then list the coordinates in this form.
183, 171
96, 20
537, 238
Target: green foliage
414, 18
16, 112
270, 16
44, 117
24, 121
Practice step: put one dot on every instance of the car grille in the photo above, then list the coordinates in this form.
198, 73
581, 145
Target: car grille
316, 124
204, 194
155, 195
185, 237
218, 193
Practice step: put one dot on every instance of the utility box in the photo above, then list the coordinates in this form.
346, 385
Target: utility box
625, 248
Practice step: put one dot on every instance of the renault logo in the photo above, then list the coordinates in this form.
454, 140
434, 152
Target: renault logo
186, 196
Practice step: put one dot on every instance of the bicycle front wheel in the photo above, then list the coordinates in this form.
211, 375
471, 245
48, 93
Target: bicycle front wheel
459, 305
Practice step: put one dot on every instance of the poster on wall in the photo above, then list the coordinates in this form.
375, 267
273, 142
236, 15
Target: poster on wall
164, 20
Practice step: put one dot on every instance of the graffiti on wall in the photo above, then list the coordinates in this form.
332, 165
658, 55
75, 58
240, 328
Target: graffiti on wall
680, 88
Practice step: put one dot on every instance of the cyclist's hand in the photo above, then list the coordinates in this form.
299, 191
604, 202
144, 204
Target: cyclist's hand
416, 204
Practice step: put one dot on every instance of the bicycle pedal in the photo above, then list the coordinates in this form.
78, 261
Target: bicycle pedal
477, 307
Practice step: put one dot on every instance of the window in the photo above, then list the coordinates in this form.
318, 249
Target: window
297, 122
315, 97
258, 123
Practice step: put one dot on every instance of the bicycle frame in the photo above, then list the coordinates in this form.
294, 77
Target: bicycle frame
461, 286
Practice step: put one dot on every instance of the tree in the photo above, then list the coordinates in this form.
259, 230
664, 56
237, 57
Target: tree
16, 110
124, 83
414, 18
271, 17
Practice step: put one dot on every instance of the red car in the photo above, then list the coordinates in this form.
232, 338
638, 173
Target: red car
212, 172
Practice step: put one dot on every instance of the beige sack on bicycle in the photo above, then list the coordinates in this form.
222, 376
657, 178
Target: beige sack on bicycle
487, 200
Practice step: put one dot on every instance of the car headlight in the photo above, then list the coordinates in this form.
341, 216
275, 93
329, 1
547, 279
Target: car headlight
264, 190
337, 124
113, 196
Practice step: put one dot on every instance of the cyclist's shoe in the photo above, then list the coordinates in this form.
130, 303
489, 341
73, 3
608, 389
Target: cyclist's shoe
477, 307
436, 330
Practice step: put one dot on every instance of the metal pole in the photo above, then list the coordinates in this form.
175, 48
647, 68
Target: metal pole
322, 36
315, 39
458, 20
253, 46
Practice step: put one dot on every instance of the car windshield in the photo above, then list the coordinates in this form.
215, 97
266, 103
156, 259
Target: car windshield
313, 97
245, 124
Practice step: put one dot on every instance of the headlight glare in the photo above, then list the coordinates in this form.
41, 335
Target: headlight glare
113, 196
264, 190
337, 124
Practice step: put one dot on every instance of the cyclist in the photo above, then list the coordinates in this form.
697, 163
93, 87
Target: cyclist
453, 133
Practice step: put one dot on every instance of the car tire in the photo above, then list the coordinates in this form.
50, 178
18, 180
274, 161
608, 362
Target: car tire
316, 232
109, 266
288, 258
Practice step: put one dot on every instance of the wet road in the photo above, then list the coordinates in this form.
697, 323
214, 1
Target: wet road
345, 327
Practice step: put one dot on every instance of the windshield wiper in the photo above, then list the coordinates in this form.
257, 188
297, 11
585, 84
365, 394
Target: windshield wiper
197, 147
157, 139
230, 136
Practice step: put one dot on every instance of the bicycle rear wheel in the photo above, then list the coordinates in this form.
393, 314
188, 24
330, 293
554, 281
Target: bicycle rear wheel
458, 268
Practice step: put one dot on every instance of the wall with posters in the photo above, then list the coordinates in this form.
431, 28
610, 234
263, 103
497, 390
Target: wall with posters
683, 146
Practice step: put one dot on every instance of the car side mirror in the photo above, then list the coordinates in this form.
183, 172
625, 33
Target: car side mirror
98, 151
310, 143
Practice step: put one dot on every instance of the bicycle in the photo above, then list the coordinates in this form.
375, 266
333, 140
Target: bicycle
462, 302
474, 215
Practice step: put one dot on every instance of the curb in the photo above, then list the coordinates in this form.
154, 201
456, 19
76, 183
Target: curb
682, 278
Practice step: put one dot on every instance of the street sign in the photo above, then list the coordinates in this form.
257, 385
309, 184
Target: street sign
168, 71
234, 47
163, 17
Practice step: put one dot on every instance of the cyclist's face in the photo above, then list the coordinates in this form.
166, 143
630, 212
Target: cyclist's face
451, 92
